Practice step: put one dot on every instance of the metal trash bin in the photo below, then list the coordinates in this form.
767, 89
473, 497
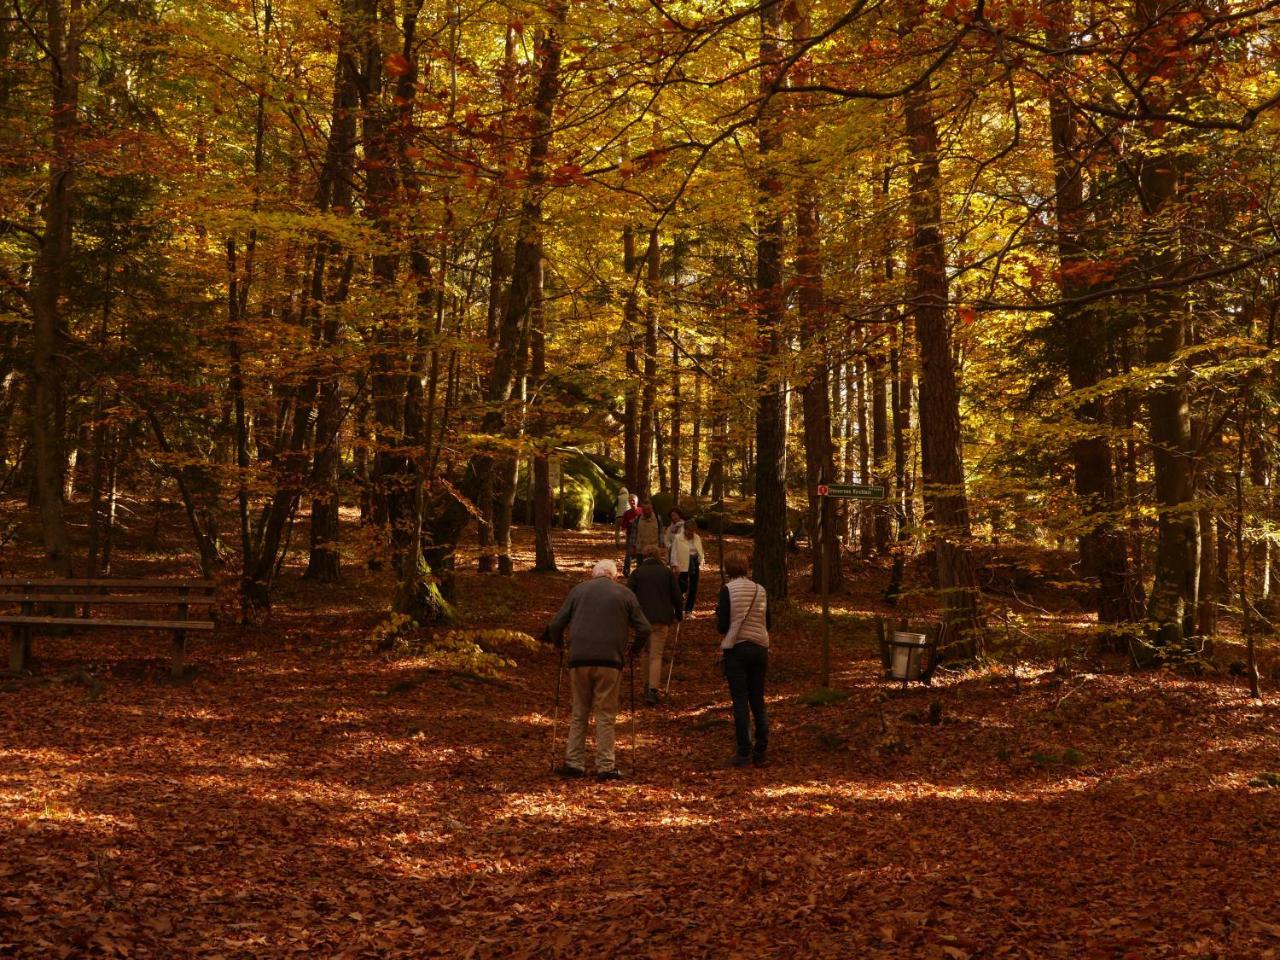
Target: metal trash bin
906, 650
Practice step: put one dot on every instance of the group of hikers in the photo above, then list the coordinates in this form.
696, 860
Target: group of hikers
609, 624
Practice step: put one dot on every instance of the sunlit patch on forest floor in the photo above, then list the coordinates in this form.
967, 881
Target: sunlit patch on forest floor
297, 797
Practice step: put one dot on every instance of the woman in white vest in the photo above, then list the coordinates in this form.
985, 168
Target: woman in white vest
687, 558
743, 617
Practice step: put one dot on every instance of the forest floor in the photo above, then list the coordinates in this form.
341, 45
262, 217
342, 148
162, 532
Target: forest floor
302, 795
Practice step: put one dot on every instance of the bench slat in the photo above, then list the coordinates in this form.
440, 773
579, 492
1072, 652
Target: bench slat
81, 622
106, 598
108, 583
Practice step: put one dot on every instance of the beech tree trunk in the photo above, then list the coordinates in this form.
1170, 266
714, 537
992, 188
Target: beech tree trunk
498, 268
1083, 334
941, 453
864, 447
881, 512
337, 189
62, 42
820, 462
695, 440
1171, 606
649, 382
480, 470
511, 359
819, 450
631, 402
543, 498
900, 401
769, 563
677, 413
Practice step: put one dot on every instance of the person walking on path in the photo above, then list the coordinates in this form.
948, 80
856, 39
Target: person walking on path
743, 617
646, 530
656, 587
598, 614
676, 523
627, 523
687, 556
620, 507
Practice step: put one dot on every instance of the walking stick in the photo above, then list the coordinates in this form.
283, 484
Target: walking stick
671, 667
633, 711
555, 717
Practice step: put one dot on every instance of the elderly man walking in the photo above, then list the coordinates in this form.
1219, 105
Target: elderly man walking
646, 530
598, 614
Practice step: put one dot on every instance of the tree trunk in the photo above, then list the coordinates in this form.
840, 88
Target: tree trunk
660, 452
1171, 606
481, 467
769, 563
631, 408
510, 365
865, 531
498, 269
62, 43
900, 401
649, 383
941, 453
677, 414
819, 452
879, 446
1083, 334
695, 441
543, 498
102, 500
336, 193
1209, 599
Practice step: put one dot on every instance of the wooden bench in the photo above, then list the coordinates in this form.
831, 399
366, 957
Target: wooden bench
48, 603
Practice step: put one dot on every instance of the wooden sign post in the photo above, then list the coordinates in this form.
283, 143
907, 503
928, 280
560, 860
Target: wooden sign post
826, 493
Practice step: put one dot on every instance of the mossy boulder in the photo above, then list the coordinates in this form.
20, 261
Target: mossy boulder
589, 492
579, 504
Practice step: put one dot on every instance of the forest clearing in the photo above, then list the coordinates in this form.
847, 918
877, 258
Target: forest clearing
300, 795
673, 478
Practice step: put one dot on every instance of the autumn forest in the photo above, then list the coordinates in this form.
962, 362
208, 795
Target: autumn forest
335, 337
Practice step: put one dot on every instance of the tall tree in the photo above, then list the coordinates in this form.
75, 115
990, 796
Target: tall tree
64, 26
1082, 331
1160, 71
940, 441
649, 374
769, 563
511, 358
819, 452
336, 193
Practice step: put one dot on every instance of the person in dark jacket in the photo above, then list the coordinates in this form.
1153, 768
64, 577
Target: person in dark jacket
598, 614
658, 590
744, 617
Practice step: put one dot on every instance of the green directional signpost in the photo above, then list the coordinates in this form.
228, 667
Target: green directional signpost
851, 491
826, 493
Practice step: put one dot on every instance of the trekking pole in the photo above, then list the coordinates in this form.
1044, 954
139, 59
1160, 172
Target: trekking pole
671, 667
633, 711
555, 717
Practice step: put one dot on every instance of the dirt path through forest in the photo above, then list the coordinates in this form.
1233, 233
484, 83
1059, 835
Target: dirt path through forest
305, 797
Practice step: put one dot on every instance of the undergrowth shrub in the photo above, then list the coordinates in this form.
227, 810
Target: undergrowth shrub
481, 652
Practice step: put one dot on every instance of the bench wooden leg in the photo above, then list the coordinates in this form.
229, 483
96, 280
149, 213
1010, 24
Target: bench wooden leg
179, 654
17, 649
